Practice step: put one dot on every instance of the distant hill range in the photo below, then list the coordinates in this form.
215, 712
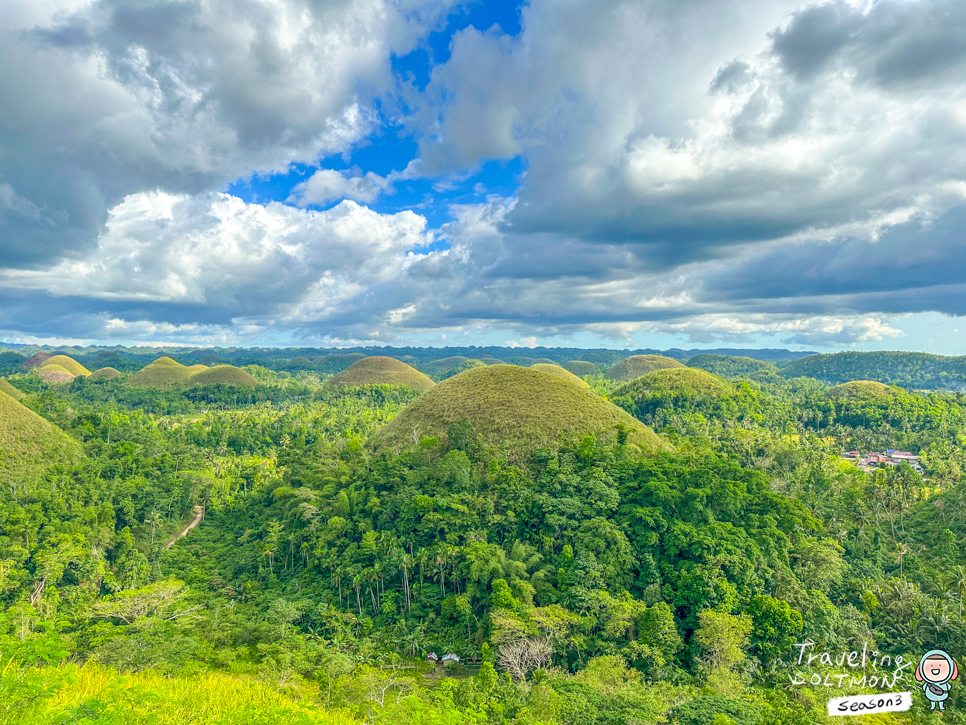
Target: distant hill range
906, 369
130, 359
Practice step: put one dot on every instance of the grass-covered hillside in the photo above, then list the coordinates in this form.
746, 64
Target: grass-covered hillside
161, 373
637, 365
107, 373
222, 375
165, 373
559, 372
582, 367
861, 390
29, 444
36, 359
13, 392
66, 363
513, 409
53, 374
379, 370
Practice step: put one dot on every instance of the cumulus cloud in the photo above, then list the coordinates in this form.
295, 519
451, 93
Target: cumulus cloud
109, 98
687, 127
705, 170
216, 259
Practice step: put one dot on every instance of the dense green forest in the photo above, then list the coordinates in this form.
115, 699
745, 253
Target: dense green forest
587, 579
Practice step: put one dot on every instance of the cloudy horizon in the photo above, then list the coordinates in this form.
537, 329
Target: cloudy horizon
648, 174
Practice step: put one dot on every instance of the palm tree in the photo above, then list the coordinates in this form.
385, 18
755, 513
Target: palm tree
957, 580
152, 520
901, 552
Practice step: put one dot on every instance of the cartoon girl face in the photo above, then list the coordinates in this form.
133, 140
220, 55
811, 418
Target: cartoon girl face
936, 669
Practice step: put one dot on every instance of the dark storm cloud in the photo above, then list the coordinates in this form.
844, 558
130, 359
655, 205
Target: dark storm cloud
915, 256
896, 44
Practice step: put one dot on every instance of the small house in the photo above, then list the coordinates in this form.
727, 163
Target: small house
432, 659
450, 659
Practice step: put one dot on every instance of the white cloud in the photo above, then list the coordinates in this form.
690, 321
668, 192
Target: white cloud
105, 99
327, 184
238, 260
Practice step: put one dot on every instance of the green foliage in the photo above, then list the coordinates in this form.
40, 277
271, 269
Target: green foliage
733, 366
909, 369
580, 578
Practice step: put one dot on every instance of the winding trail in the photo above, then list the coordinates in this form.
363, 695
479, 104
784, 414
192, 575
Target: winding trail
199, 512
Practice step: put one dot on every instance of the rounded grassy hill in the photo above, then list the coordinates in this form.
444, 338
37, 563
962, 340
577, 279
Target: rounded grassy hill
637, 365
9, 389
513, 409
563, 374
67, 363
222, 375
105, 374
861, 390
299, 362
382, 371
680, 381
581, 368
29, 444
448, 362
35, 360
162, 373
54, 374
660, 397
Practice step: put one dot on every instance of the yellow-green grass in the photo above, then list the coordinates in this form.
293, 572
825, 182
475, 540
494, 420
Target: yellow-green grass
300, 361
563, 374
861, 390
514, 409
222, 375
686, 381
29, 444
71, 693
105, 374
382, 371
54, 374
35, 360
197, 368
7, 387
448, 362
636, 365
162, 373
67, 363
542, 361
581, 368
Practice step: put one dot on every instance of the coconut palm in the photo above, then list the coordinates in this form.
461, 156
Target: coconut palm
957, 580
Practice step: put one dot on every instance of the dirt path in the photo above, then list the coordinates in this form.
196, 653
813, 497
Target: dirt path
199, 513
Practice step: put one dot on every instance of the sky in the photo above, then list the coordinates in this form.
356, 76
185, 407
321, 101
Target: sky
655, 173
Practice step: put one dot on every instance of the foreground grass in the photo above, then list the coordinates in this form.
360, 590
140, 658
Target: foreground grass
98, 695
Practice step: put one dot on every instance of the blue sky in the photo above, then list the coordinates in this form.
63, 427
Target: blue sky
615, 173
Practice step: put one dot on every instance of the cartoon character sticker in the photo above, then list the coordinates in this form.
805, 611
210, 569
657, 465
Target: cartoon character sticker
936, 671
